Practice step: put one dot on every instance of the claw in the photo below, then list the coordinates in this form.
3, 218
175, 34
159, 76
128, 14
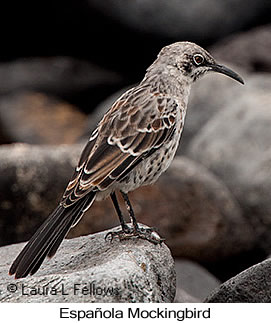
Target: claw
148, 234
109, 236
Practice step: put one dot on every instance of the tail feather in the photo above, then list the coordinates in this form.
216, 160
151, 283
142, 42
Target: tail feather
53, 248
48, 237
73, 222
63, 230
50, 221
34, 261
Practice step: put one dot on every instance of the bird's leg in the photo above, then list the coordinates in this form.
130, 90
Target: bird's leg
124, 226
128, 232
125, 229
131, 211
134, 231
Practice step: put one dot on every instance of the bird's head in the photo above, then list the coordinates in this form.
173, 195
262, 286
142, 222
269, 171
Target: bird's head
192, 61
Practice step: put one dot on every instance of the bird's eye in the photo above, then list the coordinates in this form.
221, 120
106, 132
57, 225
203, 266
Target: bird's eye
198, 59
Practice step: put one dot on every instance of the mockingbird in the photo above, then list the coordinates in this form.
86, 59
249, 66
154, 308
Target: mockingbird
133, 145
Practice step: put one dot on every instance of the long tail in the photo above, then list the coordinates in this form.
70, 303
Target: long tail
49, 236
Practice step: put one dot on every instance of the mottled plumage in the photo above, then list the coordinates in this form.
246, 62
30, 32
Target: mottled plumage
132, 145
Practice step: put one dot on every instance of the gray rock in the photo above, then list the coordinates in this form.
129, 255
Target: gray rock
37, 118
129, 271
250, 286
235, 145
184, 20
249, 50
193, 279
203, 104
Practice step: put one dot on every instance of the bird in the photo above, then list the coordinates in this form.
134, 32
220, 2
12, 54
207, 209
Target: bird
132, 145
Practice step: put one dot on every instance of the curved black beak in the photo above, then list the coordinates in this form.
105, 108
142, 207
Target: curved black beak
225, 70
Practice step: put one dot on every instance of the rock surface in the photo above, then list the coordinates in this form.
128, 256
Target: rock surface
250, 286
37, 118
203, 105
32, 180
235, 145
129, 271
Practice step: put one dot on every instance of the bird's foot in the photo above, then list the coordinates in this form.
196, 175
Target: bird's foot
148, 234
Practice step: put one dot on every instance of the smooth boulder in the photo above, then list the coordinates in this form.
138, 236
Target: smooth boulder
250, 286
235, 145
93, 269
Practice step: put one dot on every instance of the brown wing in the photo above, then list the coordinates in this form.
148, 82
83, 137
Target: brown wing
135, 126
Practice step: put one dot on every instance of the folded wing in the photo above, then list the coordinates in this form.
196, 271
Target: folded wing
130, 131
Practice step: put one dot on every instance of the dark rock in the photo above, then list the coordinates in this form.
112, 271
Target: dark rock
36, 118
71, 28
32, 180
65, 77
249, 50
193, 279
184, 20
250, 286
124, 36
235, 145
127, 271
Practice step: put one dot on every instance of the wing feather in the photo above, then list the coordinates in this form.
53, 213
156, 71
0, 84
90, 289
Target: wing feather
131, 130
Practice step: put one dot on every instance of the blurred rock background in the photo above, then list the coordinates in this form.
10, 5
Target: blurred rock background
62, 63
